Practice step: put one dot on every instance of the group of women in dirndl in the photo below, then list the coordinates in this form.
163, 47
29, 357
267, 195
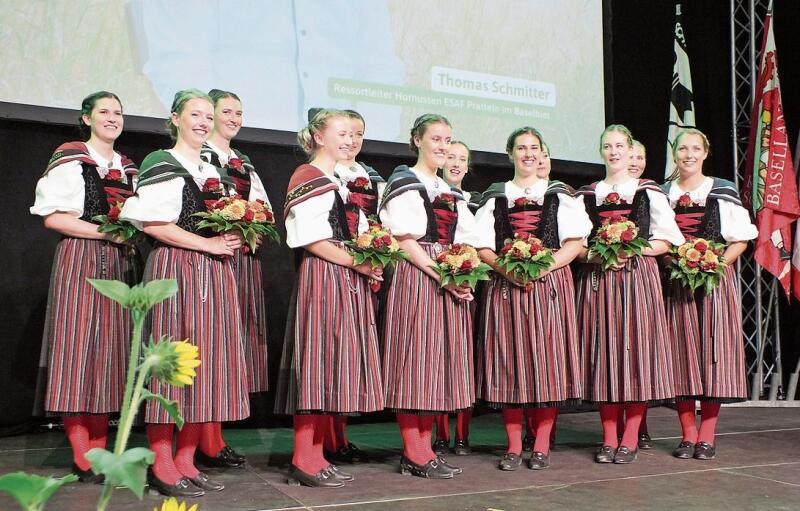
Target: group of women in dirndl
616, 338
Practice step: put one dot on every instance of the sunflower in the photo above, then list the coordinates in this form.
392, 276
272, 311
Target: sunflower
173, 362
171, 504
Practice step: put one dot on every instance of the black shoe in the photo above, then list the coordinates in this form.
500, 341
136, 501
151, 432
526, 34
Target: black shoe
347, 454
182, 488
325, 478
645, 442
604, 455
203, 482
624, 455
452, 468
704, 451
684, 451
461, 448
87, 476
440, 447
539, 461
510, 462
527, 443
431, 470
233, 454
340, 474
225, 458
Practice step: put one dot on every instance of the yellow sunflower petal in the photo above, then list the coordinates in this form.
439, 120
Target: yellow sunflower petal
188, 371
185, 380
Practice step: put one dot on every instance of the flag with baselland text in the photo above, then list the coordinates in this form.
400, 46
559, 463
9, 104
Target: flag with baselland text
681, 103
770, 187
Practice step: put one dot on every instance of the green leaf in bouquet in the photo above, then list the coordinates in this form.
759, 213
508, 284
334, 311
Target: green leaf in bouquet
128, 469
32, 491
170, 406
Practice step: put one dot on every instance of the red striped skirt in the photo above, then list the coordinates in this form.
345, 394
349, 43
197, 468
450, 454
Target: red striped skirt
206, 312
530, 345
625, 345
427, 359
247, 269
330, 361
709, 347
87, 337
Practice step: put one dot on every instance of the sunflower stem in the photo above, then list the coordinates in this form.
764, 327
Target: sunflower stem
131, 399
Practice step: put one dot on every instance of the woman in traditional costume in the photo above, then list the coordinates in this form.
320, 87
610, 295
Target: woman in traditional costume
174, 185
427, 359
87, 337
706, 326
330, 363
627, 359
529, 342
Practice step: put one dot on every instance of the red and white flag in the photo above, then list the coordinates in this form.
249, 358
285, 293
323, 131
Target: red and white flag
770, 186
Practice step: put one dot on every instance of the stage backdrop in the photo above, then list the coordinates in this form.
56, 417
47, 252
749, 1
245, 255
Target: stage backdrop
640, 38
490, 65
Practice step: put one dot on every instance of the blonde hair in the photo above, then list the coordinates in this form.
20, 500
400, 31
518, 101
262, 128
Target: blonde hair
352, 114
682, 133
525, 130
179, 102
421, 126
317, 124
618, 128
636, 143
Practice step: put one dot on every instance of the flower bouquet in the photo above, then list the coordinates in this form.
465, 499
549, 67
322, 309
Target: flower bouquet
616, 234
461, 265
377, 247
120, 229
251, 218
698, 263
525, 257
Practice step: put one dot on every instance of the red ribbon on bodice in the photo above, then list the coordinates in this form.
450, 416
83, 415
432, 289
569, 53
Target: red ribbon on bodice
525, 222
445, 219
689, 223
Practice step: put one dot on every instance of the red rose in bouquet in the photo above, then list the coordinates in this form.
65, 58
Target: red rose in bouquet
251, 218
121, 229
616, 235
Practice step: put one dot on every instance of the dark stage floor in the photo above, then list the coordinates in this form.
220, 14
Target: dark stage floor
757, 468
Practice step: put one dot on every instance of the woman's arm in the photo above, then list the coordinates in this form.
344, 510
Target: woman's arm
570, 249
70, 225
326, 250
170, 234
656, 248
734, 250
